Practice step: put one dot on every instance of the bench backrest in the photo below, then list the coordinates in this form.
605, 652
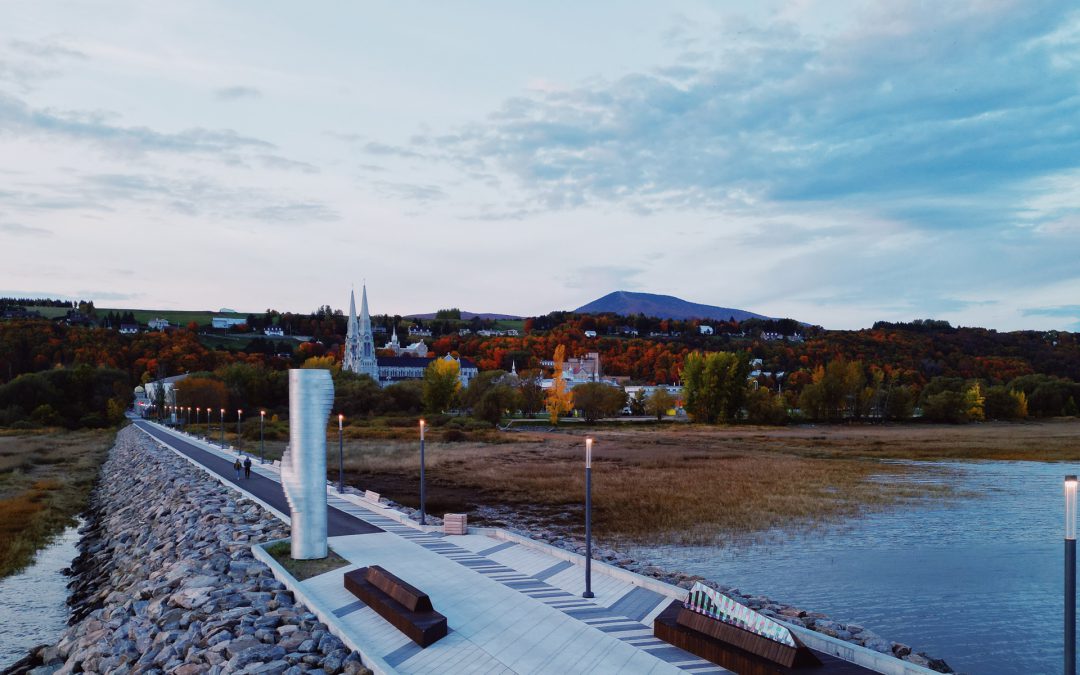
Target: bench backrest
371, 496
410, 596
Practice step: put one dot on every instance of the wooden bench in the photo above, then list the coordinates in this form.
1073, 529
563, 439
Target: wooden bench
403, 605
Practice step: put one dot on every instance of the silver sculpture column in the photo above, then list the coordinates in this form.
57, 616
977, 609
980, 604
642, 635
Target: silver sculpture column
303, 466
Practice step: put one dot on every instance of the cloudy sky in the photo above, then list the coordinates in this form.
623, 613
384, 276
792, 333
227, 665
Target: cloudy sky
837, 162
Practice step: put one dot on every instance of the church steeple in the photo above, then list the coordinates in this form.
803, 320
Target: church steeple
359, 340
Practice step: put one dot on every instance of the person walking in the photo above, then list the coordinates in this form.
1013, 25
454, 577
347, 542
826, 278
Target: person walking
237, 466
247, 467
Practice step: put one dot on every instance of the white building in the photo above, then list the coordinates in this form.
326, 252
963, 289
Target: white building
158, 324
705, 330
227, 321
274, 331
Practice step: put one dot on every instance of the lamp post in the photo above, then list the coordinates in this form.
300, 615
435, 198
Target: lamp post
198, 414
588, 519
262, 421
223, 428
423, 494
340, 454
238, 436
1070, 575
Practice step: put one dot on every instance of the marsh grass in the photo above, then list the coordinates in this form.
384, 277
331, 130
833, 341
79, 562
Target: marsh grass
301, 570
45, 479
702, 485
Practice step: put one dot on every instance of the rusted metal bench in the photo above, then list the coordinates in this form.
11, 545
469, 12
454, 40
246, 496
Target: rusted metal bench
742, 651
403, 605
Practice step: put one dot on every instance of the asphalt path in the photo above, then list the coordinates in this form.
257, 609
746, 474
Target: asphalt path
338, 523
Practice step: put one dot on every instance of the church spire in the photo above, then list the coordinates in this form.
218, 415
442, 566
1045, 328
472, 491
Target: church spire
359, 341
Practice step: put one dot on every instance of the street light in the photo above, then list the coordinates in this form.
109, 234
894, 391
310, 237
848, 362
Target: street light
238, 437
340, 454
423, 494
262, 420
588, 519
198, 413
223, 428
1070, 575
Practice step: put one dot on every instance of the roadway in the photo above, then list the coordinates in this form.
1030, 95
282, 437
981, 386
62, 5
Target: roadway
338, 523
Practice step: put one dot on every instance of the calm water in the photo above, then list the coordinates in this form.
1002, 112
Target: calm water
33, 604
976, 581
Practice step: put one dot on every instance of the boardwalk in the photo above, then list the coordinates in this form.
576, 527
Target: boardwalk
511, 608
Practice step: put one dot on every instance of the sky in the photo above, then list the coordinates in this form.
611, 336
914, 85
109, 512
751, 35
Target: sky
831, 161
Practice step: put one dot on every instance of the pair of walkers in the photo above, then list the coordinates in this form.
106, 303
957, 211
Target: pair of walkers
246, 467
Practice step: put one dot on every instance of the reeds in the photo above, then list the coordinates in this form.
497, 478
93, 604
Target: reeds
45, 479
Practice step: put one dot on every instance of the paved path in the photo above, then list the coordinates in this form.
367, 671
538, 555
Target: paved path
262, 484
511, 607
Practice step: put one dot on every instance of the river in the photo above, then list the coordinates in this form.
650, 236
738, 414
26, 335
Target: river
976, 580
33, 603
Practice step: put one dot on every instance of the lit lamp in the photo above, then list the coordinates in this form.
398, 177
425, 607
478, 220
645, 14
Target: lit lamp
1070, 575
223, 428
198, 413
340, 454
423, 495
238, 437
588, 519
262, 421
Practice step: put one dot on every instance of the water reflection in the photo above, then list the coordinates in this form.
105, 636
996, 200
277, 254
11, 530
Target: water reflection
33, 604
975, 580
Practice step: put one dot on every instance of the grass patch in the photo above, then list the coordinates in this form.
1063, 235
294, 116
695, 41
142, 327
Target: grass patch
45, 479
304, 569
697, 484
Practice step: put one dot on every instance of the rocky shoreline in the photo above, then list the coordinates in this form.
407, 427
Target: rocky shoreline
165, 581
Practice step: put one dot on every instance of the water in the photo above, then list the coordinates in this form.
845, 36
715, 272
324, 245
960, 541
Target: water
975, 580
33, 603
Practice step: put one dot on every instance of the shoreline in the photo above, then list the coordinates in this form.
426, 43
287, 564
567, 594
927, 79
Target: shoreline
165, 580
817, 621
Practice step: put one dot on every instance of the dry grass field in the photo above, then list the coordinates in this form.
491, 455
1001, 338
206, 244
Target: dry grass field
45, 479
695, 484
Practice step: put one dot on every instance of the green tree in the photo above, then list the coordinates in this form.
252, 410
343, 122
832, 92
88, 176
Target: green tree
596, 400
441, 383
1003, 404
715, 385
899, 402
946, 406
358, 395
659, 403
531, 394
765, 407
490, 395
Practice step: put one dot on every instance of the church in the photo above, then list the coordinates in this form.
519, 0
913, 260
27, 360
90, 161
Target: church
408, 363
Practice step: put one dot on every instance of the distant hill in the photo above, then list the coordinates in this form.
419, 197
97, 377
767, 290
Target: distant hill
626, 303
468, 316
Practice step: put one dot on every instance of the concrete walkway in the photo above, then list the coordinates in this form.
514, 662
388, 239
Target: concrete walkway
512, 606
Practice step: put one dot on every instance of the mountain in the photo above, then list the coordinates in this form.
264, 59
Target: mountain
468, 316
662, 306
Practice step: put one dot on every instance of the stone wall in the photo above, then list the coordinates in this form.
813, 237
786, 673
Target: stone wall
166, 583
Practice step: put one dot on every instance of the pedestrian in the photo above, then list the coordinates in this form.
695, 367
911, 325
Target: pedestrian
237, 466
247, 467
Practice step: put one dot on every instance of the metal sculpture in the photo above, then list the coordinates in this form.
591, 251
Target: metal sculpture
303, 466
